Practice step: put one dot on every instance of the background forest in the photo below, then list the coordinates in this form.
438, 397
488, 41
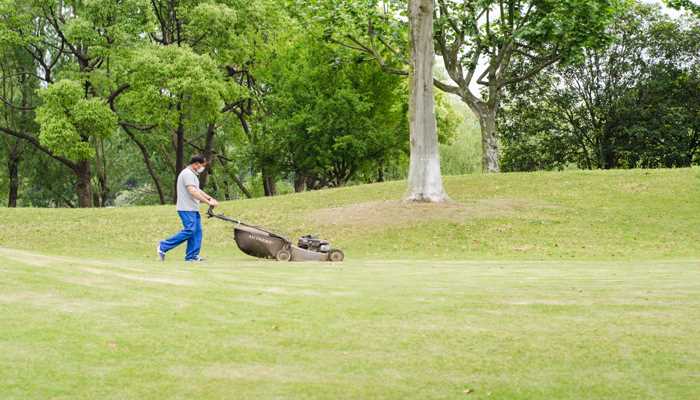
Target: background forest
102, 101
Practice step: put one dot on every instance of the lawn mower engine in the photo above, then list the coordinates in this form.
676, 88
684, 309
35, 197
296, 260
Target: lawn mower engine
310, 247
313, 243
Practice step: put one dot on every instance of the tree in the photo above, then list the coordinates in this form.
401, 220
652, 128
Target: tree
236, 36
170, 91
75, 40
164, 68
101, 97
657, 124
16, 98
482, 42
188, 30
328, 115
424, 178
631, 104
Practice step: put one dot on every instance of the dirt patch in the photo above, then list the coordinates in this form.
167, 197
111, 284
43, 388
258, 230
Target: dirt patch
634, 187
393, 213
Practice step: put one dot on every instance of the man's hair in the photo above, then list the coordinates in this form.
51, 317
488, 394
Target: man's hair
198, 159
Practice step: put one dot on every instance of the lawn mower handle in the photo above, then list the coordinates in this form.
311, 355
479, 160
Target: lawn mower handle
210, 213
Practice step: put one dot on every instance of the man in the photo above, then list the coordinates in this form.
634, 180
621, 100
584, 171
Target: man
188, 197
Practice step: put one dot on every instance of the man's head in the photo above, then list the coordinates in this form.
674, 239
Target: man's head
198, 163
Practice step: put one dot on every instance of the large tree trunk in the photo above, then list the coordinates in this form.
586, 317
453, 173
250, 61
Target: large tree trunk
490, 160
13, 173
299, 182
179, 154
424, 177
208, 153
83, 187
269, 186
81, 169
102, 197
606, 157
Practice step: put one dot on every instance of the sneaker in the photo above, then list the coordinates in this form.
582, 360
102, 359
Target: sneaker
198, 259
161, 254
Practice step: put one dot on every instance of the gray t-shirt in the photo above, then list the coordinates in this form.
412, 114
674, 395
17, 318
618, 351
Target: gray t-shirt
185, 201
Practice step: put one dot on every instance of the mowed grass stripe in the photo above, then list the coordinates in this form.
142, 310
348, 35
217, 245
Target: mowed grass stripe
410, 329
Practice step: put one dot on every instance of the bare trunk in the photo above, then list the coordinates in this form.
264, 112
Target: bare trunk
299, 182
101, 198
490, 160
424, 177
83, 187
605, 154
241, 186
207, 153
81, 169
13, 172
237, 180
269, 184
179, 155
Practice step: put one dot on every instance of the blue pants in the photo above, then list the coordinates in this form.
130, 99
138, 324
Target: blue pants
191, 232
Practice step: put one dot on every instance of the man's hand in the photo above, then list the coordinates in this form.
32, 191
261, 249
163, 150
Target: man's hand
200, 195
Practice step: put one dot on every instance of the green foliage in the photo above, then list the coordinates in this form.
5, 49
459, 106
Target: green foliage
213, 27
657, 123
332, 114
12, 17
163, 78
462, 154
688, 5
68, 120
138, 196
45, 183
448, 120
632, 104
494, 44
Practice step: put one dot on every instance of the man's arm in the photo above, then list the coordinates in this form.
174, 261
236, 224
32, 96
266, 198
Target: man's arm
200, 195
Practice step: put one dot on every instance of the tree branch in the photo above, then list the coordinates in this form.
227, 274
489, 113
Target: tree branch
20, 108
147, 161
534, 71
35, 142
113, 96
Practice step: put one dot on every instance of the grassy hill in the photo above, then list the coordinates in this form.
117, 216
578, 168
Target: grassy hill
529, 286
579, 215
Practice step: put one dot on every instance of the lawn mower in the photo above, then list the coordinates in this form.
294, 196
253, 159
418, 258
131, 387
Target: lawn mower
259, 242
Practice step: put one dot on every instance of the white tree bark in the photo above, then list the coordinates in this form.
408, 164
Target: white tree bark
424, 177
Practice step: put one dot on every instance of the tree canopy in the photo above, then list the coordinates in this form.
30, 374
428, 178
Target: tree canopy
631, 104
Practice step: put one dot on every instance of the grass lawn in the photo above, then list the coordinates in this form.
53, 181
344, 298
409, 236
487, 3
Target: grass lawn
79, 328
577, 285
